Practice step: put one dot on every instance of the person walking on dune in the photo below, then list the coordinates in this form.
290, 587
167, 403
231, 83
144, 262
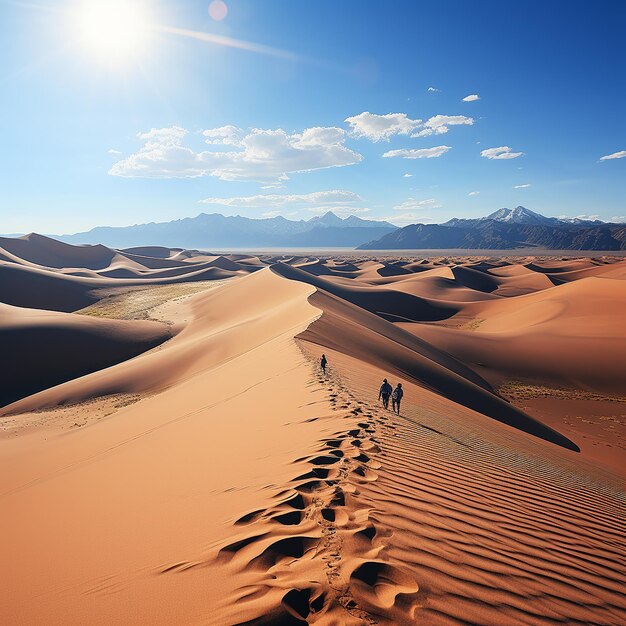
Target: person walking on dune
396, 398
385, 392
323, 363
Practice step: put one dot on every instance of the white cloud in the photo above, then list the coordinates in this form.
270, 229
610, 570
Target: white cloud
423, 153
114, 153
471, 98
473, 193
271, 214
265, 155
439, 124
619, 219
525, 186
616, 155
333, 196
381, 127
171, 134
433, 90
411, 204
161, 156
224, 135
503, 152
407, 175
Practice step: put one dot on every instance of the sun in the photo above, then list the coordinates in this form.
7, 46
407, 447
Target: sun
116, 31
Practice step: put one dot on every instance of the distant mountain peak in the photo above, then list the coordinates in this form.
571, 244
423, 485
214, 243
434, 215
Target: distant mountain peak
518, 215
328, 219
332, 219
507, 229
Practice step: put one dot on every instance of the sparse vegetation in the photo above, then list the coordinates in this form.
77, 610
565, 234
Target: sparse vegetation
473, 325
517, 390
68, 416
137, 304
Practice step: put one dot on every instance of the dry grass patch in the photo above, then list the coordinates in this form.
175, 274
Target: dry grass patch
137, 304
517, 390
67, 416
473, 325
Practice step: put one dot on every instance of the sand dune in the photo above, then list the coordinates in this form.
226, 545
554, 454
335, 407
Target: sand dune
49, 348
391, 304
572, 334
225, 480
39, 272
192, 351
48, 252
354, 332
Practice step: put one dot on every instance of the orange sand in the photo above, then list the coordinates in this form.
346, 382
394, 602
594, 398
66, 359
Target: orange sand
242, 485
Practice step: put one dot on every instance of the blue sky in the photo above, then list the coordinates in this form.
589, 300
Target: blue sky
97, 132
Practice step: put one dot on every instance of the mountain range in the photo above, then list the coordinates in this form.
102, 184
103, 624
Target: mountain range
219, 232
506, 229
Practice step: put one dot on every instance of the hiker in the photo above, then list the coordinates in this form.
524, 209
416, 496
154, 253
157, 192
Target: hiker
323, 363
385, 392
396, 397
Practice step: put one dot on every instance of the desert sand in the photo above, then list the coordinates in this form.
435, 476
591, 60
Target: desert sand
171, 453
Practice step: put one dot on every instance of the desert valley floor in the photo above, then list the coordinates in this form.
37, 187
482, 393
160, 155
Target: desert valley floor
171, 453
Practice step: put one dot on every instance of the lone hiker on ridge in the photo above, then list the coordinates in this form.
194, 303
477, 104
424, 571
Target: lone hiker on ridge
385, 392
323, 362
396, 397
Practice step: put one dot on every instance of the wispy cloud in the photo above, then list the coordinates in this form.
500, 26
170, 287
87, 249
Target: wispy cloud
407, 175
411, 204
619, 219
114, 153
439, 124
332, 196
404, 219
423, 153
229, 42
433, 90
503, 152
616, 155
471, 98
524, 186
473, 193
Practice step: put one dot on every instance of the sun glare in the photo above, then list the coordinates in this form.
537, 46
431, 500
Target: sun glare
113, 30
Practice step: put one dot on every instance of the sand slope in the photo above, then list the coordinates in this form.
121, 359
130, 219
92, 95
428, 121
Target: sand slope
49, 348
573, 334
42, 273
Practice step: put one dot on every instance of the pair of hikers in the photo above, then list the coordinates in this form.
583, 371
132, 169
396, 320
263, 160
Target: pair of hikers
386, 391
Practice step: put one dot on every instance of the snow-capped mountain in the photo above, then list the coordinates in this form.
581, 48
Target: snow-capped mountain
519, 215
507, 229
578, 221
